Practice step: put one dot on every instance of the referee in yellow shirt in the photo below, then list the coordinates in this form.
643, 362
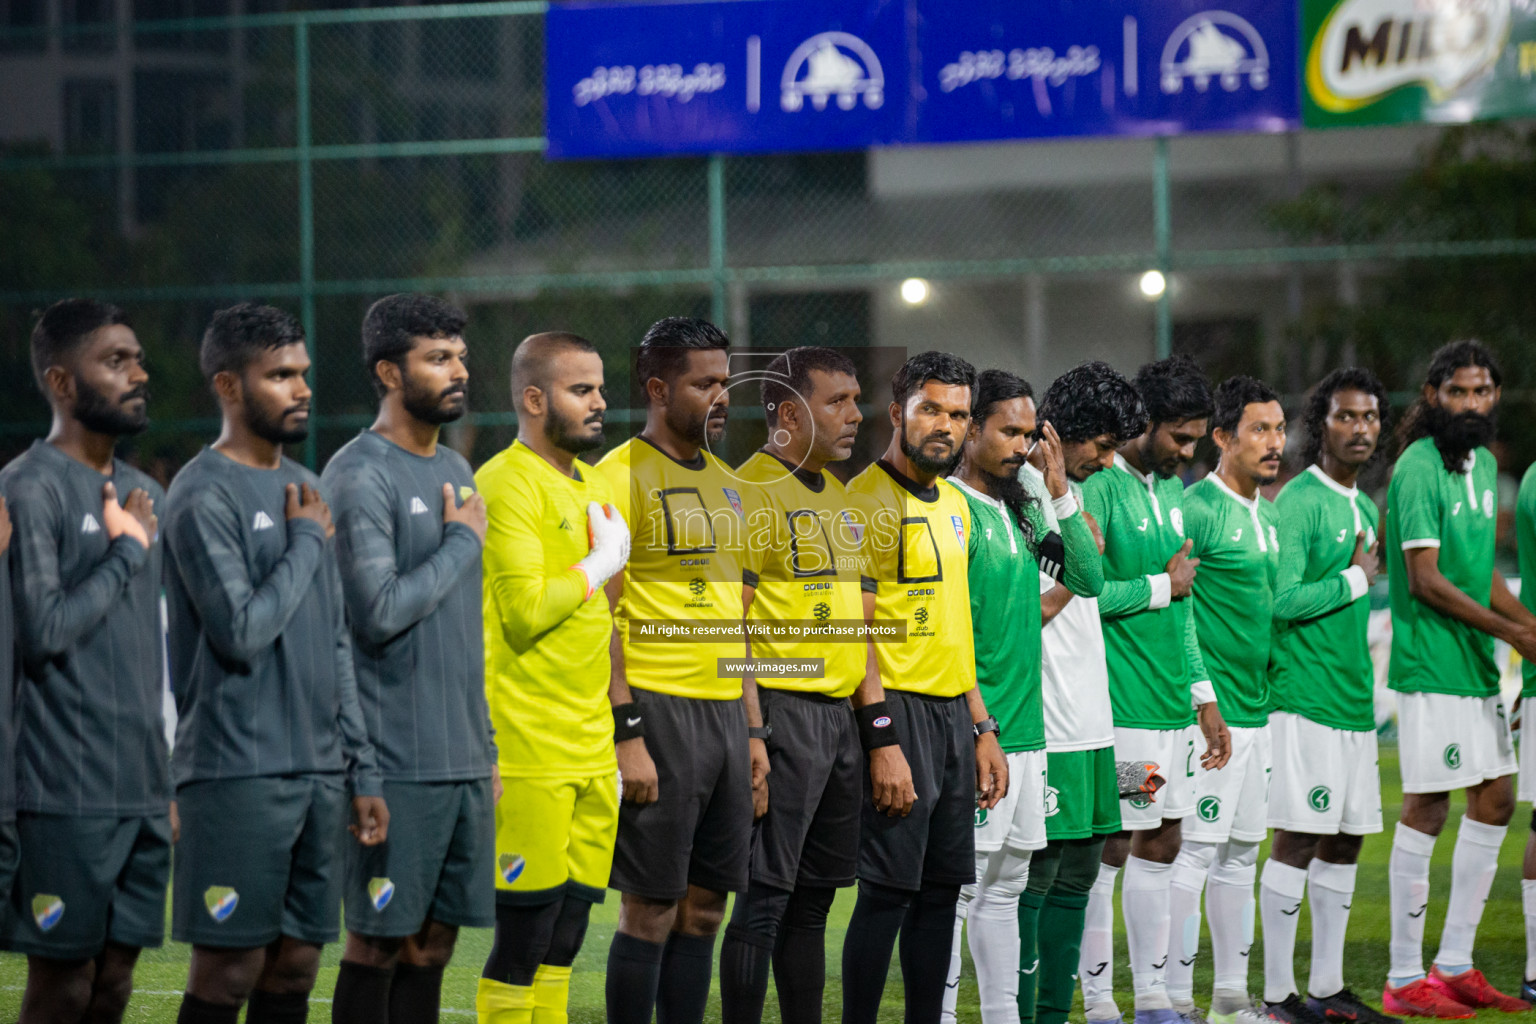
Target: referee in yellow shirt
553, 540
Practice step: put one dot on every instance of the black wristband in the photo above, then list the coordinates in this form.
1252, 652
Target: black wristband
875, 729
627, 722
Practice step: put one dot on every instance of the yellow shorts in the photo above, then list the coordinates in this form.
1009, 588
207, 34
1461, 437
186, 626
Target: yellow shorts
554, 834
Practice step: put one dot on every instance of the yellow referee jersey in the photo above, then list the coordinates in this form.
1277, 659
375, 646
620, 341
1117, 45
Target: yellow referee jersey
688, 522
804, 555
546, 645
915, 555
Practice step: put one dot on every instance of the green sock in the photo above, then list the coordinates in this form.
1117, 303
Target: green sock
1029, 951
1061, 925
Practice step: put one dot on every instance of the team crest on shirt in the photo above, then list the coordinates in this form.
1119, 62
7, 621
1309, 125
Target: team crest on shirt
981, 817
380, 892
1319, 798
735, 500
1052, 801
959, 528
221, 901
1209, 808
47, 911
511, 866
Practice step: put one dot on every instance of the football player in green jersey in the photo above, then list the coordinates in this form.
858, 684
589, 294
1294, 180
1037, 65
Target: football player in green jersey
1525, 539
1448, 606
1326, 791
1235, 533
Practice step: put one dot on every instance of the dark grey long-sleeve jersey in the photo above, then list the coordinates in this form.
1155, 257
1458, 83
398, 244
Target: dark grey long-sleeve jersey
8, 658
261, 662
90, 736
412, 587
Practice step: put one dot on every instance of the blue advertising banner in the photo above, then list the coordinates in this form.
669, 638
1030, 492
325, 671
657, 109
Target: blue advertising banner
786, 75
757, 76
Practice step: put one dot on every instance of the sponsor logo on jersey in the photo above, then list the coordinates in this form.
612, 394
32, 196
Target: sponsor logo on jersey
47, 911
1319, 797
696, 586
921, 616
380, 892
221, 901
1139, 801
262, 521
89, 524
511, 865
1238, 535
1453, 755
959, 528
565, 524
981, 816
1209, 808
1342, 534
418, 507
735, 500
822, 612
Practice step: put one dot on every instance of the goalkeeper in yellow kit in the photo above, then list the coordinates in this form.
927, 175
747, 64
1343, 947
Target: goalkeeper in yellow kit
553, 540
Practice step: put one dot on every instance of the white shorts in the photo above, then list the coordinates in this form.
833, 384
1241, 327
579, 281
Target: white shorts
1326, 780
1018, 820
1176, 752
1527, 787
1233, 802
1448, 742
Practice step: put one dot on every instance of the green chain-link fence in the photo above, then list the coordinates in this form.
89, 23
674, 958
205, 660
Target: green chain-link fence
187, 157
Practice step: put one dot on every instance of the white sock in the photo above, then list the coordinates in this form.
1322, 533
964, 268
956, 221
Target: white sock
1144, 905
1331, 891
952, 985
1280, 893
1099, 945
1185, 884
1528, 901
992, 930
1408, 883
1473, 866
1230, 907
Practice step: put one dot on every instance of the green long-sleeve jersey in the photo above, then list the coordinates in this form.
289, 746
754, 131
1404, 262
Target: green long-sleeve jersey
1149, 639
1236, 540
1320, 666
1005, 567
1525, 537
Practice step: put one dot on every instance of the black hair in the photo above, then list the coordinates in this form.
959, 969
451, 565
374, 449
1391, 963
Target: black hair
944, 367
789, 375
237, 335
66, 324
993, 387
393, 324
1094, 399
1174, 390
665, 347
1352, 378
1233, 396
1448, 358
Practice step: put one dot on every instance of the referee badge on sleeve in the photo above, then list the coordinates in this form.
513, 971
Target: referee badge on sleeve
735, 500
959, 528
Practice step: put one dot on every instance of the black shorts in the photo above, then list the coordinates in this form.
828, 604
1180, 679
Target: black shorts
936, 843
699, 830
810, 834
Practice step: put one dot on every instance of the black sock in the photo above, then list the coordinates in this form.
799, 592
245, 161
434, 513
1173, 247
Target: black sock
415, 995
745, 959
277, 1008
872, 930
634, 971
686, 967
362, 994
927, 936
800, 958
196, 1011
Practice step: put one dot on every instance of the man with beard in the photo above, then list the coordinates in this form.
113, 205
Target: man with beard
553, 541
1448, 605
1094, 410
409, 555
93, 826
1009, 542
1326, 790
1235, 534
802, 569
680, 728
932, 746
270, 733
1157, 681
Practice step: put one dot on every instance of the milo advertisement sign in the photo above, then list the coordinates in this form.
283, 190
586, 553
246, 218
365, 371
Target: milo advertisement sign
1441, 61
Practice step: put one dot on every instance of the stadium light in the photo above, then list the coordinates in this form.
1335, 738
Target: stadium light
914, 291
1153, 284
